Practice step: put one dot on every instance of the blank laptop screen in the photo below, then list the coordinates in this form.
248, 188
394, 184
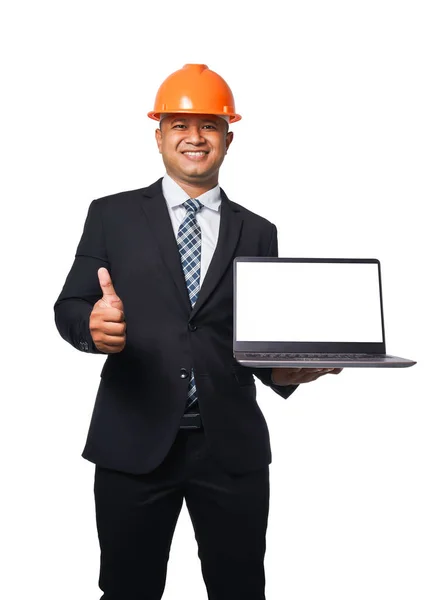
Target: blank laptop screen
308, 302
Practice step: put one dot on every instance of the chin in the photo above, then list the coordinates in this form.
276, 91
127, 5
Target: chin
197, 174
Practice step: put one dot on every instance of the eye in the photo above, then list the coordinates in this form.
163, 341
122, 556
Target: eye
210, 126
178, 126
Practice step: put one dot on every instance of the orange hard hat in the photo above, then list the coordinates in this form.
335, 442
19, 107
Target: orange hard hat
195, 89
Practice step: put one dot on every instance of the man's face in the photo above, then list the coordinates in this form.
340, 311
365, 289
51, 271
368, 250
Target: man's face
193, 146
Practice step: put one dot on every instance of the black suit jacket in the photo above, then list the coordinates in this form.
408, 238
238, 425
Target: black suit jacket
142, 394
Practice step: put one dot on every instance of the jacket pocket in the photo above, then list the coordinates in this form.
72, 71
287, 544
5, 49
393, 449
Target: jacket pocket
116, 368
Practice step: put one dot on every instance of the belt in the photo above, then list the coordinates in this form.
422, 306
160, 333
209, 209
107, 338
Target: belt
191, 421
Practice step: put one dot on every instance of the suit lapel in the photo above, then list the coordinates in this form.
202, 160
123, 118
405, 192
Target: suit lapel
229, 233
154, 206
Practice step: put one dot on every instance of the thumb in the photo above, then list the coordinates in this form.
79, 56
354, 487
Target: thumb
109, 293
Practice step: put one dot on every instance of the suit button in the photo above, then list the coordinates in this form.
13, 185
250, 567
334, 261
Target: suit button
192, 327
183, 373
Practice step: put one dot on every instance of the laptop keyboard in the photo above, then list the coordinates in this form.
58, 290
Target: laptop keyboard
304, 356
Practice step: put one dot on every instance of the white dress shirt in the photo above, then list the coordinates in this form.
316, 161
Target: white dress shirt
208, 217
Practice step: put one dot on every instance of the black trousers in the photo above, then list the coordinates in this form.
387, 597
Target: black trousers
137, 514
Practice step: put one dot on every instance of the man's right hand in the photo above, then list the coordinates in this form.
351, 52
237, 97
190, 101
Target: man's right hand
107, 319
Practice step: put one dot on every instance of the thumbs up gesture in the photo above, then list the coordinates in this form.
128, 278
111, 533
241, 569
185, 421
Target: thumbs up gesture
107, 319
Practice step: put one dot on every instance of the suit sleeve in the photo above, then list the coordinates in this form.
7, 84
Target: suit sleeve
82, 290
264, 374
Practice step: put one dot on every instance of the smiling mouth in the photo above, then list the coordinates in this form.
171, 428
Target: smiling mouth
198, 154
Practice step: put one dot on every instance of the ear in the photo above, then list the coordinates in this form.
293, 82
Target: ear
158, 135
228, 139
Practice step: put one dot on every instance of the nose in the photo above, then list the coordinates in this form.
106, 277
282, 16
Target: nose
194, 135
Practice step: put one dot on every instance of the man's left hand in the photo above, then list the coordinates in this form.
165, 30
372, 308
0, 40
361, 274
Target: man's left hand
289, 376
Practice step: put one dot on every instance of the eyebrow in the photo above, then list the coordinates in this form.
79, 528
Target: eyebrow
202, 120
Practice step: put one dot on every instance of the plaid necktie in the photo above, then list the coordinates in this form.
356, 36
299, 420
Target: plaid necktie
189, 241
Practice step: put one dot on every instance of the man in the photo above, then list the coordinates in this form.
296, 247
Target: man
175, 415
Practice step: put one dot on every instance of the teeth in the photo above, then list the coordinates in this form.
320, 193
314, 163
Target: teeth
195, 153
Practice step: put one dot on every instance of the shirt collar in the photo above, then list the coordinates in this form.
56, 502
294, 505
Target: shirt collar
175, 195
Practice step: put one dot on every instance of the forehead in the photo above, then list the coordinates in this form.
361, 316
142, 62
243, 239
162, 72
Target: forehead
194, 118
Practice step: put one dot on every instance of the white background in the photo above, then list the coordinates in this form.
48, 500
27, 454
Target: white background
330, 149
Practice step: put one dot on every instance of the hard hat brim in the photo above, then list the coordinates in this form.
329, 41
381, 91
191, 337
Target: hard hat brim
156, 115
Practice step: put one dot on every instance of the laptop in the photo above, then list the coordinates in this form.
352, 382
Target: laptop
310, 312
